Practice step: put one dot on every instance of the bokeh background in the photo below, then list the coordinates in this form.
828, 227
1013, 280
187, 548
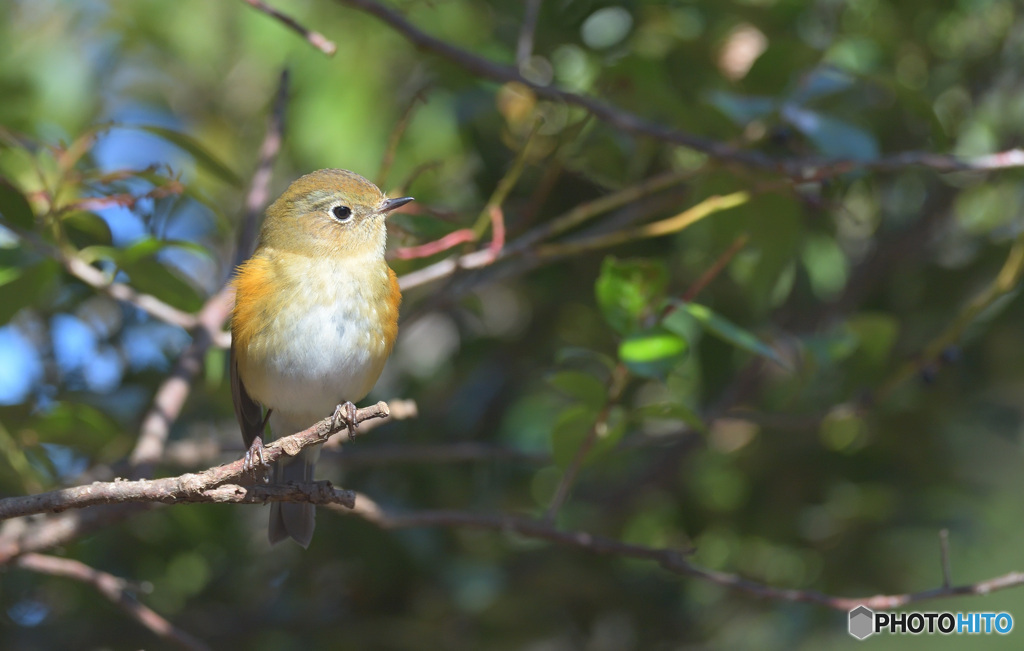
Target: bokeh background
833, 470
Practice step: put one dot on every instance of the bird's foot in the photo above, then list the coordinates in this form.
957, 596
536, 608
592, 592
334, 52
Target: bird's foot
254, 463
345, 414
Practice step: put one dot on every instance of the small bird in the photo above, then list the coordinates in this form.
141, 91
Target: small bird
315, 318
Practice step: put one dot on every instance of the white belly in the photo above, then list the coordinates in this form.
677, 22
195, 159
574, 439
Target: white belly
326, 346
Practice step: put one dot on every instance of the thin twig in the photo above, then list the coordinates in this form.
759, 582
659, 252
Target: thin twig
712, 272
566, 221
396, 137
616, 117
170, 397
803, 169
947, 570
148, 303
259, 188
660, 228
22, 536
1007, 280
505, 185
673, 560
616, 384
316, 39
100, 281
205, 486
427, 249
524, 46
117, 590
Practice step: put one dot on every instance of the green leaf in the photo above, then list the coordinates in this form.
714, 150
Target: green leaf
581, 386
629, 290
139, 250
721, 328
833, 137
575, 424
79, 426
742, 109
570, 430
15, 207
609, 435
672, 411
842, 430
196, 150
652, 353
215, 364
821, 82
86, 229
571, 354
876, 334
832, 347
826, 265
23, 286
149, 275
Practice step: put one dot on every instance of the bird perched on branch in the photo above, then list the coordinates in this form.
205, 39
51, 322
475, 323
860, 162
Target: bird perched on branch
315, 318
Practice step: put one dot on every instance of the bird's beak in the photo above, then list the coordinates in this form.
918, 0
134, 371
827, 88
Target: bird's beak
391, 204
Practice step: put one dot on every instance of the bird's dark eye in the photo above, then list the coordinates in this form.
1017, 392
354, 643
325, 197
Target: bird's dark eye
341, 213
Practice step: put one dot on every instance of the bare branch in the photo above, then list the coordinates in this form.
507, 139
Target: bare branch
22, 536
1007, 280
947, 571
206, 486
616, 384
616, 117
148, 303
116, 590
796, 168
524, 46
98, 280
396, 137
716, 268
564, 222
673, 560
259, 188
316, 39
170, 397
667, 226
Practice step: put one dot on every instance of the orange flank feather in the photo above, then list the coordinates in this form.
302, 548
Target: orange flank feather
394, 300
253, 291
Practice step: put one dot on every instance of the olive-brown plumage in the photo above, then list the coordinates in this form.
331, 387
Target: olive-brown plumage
315, 318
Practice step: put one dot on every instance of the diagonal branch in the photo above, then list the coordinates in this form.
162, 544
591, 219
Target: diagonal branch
314, 38
524, 46
524, 244
806, 169
618, 118
616, 385
673, 560
170, 397
116, 590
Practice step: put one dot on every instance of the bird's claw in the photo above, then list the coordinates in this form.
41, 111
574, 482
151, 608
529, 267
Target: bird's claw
345, 414
254, 463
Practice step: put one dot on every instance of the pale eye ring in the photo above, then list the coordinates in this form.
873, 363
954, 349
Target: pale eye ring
341, 213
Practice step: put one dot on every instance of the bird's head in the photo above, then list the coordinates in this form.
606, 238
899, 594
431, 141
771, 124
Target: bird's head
330, 213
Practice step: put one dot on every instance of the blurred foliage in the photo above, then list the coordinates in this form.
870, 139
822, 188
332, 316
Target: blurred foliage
751, 421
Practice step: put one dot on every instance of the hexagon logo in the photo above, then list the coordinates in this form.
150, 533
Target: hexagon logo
862, 622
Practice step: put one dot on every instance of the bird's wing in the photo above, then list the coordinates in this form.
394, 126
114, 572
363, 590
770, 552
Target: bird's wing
247, 411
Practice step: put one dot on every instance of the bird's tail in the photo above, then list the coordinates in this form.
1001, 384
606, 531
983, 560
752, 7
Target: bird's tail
294, 519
